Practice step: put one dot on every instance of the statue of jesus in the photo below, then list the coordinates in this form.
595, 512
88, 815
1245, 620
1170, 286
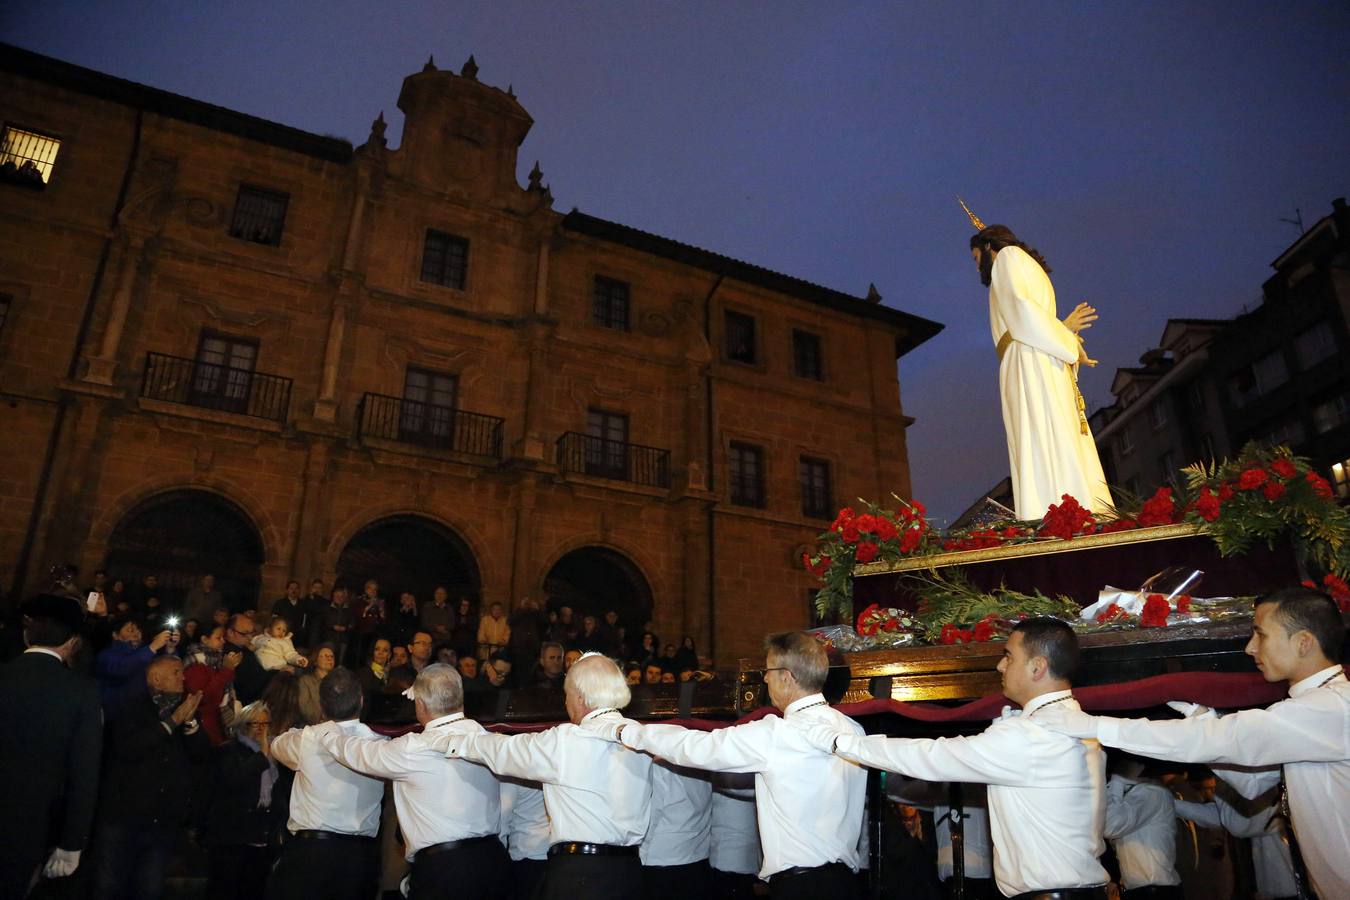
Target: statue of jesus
1050, 447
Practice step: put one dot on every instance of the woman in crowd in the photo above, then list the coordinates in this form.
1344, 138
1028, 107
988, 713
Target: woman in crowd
244, 812
464, 633
325, 661
374, 675
687, 656
650, 649
282, 696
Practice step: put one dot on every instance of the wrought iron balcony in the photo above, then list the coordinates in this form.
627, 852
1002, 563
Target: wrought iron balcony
192, 382
614, 459
428, 425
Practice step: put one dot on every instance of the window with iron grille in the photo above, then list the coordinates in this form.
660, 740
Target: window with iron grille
806, 361
223, 371
606, 444
429, 400
746, 468
740, 337
445, 260
816, 500
609, 303
259, 215
27, 157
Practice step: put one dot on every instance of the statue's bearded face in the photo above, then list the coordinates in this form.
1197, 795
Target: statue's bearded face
984, 261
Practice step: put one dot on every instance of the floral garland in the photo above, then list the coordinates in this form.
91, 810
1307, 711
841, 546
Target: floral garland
1266, 494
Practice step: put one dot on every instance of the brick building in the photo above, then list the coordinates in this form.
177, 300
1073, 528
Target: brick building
232, 346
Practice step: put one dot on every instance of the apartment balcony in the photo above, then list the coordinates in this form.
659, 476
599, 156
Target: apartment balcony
191, 382
427, 425
617, 460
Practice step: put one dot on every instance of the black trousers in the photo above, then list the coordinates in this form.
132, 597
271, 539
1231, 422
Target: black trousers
732, 885
834, 880
976, 889
691, 880
237, 872
335, 869
478, 870
527, 878
1153, 892
593, 878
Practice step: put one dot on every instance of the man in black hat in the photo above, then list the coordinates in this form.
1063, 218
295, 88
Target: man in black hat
49, 749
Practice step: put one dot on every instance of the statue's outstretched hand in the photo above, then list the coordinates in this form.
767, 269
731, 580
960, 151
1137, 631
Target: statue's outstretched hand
1081, 318
1083, 358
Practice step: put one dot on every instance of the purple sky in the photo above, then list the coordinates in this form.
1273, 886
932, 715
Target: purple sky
1149, 150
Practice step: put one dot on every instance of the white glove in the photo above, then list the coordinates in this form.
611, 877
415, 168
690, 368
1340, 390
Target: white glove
451, 744
820, 735
1191, 710
61, 863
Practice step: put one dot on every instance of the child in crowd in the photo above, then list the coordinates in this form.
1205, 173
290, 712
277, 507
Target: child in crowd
275, 650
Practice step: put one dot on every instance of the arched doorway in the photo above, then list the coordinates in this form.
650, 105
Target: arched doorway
593, 580
182, 535
409, 553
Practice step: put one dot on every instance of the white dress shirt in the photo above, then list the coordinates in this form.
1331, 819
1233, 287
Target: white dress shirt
810, 803
735, 832
1141, 824
680, 830
1270, 850
1309, 734
934, 796
524, 831
437, 800
1047, 792
328, 796
595, 790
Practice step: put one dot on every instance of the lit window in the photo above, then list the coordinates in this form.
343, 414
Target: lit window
259, 216
1340, 477
26, 157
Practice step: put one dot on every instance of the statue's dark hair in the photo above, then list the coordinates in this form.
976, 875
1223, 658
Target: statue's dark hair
996, 237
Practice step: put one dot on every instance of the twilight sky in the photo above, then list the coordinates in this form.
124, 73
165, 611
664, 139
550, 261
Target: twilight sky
1149, 150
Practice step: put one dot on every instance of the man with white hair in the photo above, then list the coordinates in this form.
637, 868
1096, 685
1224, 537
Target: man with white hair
810, 804
448, 812
596, 792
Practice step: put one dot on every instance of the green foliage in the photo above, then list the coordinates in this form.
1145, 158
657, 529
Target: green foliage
950, 598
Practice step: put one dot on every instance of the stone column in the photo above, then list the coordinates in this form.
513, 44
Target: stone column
103, 366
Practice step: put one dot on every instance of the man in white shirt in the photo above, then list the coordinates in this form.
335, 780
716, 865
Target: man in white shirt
335, 812
597, 794
1141, 824
1046, 794
735, 857
449, 811
1296, 637
524, 833
810, 804
674, 853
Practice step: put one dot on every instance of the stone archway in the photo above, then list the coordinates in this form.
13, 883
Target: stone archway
410, 553
182, 535
592, 580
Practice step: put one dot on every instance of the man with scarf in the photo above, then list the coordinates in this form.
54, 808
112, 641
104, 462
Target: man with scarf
147, 785
209, 671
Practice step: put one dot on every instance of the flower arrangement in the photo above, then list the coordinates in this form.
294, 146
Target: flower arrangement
1265, 494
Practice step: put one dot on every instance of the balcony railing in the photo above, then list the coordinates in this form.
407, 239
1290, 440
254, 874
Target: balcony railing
192, 382
428, 425
614, 459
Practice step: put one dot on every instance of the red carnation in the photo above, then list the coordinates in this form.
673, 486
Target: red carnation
1251, 479
1160, 509
1273, 491
919, 507
1225, 493
849, 532
866, 552
1207, 505
911, 539
948, 635
845, 515
1184, 603
984, 631
1321, 487
1283, 468
1156, 610
885, 529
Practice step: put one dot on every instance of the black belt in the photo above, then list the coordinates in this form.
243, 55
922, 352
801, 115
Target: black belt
578, 848
445, 846
1088, 893
796, 871
310, 834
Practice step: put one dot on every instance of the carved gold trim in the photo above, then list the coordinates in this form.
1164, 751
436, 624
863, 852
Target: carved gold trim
1054, 545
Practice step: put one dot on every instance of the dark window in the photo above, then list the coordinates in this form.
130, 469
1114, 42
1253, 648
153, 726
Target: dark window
806, 355
1157, 413
445, 260
1315, 345
429, 400
816, 500
740, 337
259, 216
609, 304
746, 465
606, 444
223, 372
27, 157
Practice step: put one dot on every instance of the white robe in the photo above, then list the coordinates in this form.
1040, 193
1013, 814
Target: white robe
1047, 450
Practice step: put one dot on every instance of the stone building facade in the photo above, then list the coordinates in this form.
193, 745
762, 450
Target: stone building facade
228, 344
